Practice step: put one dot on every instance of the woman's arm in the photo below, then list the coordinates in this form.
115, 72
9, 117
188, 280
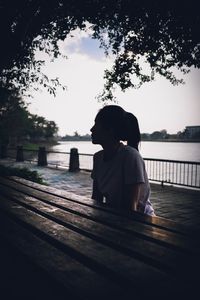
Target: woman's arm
96, 194
132, 195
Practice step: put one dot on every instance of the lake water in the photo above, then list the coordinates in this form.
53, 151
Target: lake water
160, 150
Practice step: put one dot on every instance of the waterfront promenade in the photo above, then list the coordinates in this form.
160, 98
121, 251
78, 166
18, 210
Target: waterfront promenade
175, 203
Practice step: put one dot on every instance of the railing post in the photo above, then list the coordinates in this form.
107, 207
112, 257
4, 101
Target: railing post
74, 160
3, 151
20, 154
42, 156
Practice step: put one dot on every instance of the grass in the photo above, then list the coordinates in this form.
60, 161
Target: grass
31, 146
23, 173
35, 146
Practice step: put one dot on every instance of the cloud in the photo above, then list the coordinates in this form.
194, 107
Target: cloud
81, 42
157, 104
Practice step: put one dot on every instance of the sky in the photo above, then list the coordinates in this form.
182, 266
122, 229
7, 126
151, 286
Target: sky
157, 105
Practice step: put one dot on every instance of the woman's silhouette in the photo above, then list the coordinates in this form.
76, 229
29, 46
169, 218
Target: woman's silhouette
119, 176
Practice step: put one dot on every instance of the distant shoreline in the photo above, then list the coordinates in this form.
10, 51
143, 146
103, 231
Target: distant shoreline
143, 140
173, 141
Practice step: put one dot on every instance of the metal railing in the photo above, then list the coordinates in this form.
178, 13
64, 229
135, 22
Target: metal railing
183, 173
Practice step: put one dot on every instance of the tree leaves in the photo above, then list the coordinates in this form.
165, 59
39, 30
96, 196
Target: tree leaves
163, 35
16, 122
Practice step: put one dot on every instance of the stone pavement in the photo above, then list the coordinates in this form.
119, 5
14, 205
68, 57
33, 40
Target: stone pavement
179, 204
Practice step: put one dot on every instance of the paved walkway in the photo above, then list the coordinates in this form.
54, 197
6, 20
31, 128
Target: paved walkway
179, 204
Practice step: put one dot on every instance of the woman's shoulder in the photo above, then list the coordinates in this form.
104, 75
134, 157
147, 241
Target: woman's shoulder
129, 152
98, 154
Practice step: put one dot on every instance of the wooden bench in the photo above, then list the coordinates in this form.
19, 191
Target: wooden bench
81, 250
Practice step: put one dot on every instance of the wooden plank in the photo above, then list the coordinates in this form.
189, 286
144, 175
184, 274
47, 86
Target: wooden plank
48, 258
67, 272
154, 254
123, 269
109, 267
20, 277
158, 235
156, 221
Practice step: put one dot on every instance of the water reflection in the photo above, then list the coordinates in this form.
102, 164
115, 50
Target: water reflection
160, 150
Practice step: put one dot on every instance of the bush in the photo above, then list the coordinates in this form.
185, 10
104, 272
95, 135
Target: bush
21, 172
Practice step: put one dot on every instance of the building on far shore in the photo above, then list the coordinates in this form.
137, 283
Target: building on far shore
192, 131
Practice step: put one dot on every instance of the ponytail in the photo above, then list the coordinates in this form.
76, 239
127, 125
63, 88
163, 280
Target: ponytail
132, 131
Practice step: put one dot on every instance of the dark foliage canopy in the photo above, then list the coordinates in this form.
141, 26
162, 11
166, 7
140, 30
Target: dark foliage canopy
161, 34
17, 123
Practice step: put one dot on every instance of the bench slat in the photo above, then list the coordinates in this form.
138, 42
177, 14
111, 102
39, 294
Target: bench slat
155, 221
65, 270
126, 256
100, 258
158, 235
148, 251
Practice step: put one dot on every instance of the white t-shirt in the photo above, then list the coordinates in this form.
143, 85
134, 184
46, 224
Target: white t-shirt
126, 167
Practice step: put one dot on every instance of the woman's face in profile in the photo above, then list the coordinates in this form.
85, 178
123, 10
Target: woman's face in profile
99, 133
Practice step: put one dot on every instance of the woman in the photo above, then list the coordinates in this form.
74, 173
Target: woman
119, 176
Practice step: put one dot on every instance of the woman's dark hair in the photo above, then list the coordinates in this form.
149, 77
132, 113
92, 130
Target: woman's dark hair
124, 124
